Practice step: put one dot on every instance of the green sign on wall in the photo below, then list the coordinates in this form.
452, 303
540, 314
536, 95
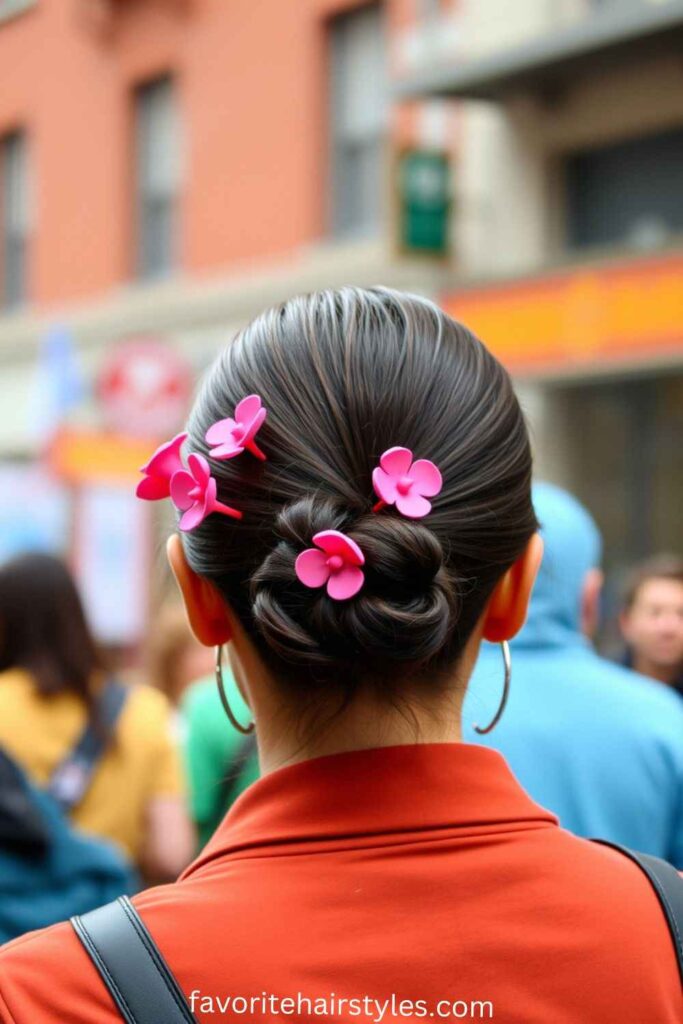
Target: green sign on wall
424, 198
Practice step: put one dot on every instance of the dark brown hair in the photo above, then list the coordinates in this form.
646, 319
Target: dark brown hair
659, 567
43, 628
345, 375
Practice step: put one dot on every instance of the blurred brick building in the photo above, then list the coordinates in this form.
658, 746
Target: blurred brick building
170, 167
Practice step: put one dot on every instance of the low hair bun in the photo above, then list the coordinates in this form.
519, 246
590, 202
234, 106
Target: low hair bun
405, 611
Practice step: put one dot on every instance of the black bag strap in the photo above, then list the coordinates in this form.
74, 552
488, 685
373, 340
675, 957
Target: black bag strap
22, 827
131, 966
668, 885
71, 778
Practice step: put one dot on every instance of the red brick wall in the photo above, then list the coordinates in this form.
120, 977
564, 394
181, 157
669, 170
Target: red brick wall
251, 78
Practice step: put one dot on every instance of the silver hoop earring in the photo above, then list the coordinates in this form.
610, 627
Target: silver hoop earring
506, 690
246, 729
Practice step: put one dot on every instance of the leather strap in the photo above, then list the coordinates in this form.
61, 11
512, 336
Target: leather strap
668, 885
22, 827
131, 966
71, 779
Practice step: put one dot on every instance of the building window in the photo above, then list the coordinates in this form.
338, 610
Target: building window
359, 121
627, 193
14, 218
157, 178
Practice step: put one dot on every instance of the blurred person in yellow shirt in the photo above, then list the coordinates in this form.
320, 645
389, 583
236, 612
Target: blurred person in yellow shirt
59, 712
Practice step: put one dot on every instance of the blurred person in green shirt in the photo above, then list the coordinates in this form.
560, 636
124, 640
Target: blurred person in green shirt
221, 762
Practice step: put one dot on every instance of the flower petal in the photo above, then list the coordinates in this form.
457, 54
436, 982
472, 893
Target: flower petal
311, 568
181, 485
152, 488
166, 460
210, 491
252, 428
396, 461
220, 431
385, 485
413, 505
345, 583
247, 409
426, 477
226, 451
192, 518
199, 468
333, 542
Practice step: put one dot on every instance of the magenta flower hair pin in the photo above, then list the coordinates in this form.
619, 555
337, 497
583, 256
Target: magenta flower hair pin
406, 484
192, 490
158, 472
335, 561
231, 436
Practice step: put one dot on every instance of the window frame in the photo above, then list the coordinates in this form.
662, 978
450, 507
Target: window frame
339, 225
15, 224
152, 260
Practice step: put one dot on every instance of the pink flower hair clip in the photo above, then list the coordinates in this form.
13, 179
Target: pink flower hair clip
232, 435
335, 561
192, 490
406, 484
158, 472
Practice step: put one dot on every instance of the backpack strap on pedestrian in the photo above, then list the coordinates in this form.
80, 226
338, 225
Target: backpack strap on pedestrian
71, 779
668, 885
133, 970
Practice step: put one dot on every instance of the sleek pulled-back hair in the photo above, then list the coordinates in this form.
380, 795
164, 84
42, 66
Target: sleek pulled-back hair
345, 375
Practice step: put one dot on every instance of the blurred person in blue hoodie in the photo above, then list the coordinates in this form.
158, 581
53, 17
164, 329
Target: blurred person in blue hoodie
592, 741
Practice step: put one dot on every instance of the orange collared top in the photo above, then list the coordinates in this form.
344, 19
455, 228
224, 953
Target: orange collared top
378, 885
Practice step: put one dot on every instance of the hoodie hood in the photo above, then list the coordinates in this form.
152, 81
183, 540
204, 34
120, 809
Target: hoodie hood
572, 547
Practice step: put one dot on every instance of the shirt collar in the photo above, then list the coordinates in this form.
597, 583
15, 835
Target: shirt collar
367, 797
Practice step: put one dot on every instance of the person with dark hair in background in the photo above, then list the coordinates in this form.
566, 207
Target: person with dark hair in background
591, 740
356, 515
651, 620
104, 751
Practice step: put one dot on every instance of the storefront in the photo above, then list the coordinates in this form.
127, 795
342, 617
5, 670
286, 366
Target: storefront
597, 351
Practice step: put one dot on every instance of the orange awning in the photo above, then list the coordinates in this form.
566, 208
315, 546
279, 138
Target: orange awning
579, 318
92, 456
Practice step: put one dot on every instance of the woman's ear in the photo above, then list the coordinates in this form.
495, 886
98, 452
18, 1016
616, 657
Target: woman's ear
509, 603
206, 610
